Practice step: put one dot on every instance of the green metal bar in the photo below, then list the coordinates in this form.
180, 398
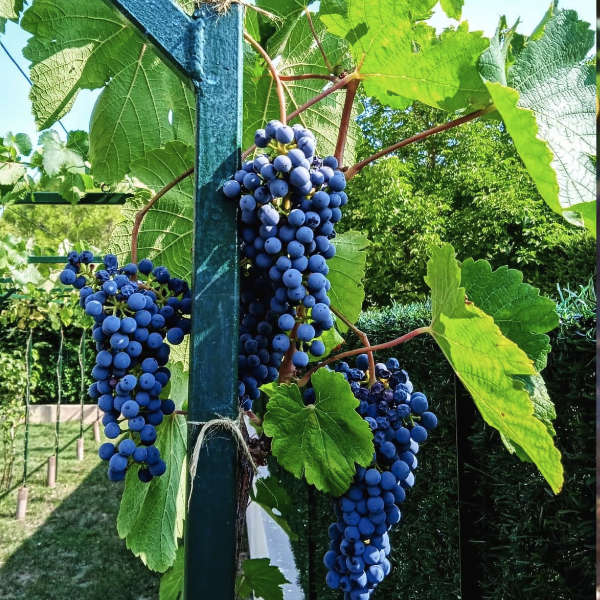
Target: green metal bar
28, 358
212, 517
55, 260
59, 372
93, 198
82, 393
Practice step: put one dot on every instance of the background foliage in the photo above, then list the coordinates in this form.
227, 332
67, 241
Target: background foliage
466, 186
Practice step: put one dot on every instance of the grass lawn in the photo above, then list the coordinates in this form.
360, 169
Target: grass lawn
68, 547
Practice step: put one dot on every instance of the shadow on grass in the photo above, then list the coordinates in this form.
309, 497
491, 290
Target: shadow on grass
76, 554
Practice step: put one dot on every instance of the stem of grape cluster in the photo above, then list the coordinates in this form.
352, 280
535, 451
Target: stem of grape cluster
336, 86
274, 74
308, 76
362, 336
345, 121
353, 170
396, 342
139, 217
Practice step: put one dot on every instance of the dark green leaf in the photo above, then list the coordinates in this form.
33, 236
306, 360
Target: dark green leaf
171, 583
260, 579
271, 495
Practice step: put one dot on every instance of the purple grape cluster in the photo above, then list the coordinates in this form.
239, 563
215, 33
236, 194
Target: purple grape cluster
136, 309
289, 201
357, 559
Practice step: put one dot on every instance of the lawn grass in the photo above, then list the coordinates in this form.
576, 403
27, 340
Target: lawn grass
68, 547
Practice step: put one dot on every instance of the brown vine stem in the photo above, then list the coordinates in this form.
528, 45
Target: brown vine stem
139, 217
345, 121
353, 170
319, 44
274, 74
336, 86
362, 336
308, 76
396, 342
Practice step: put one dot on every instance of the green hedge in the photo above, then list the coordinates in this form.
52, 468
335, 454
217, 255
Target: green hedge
45, 348
528, 542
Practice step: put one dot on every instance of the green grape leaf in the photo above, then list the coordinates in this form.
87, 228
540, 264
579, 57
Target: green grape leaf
260, 579
180, 377
23, 143
171, 583
9, 11
346, 274
543, 410
151, 515
516, 307
11, 172
57, 156
89, 45
271, 495
297, 54
453, 8
549, 110
487, 362
166, 233
493, 63
401, 58
322, 441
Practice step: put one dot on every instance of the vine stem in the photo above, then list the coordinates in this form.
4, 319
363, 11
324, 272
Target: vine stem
307, 76
274, 74
353, 170
336, 86
351, 89
319, 44
139, 217
362, 336
396, 342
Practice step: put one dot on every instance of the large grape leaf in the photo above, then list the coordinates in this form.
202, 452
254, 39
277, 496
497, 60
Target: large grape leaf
401, 58
346, 274
9, 11
516, 307
321, 441
297, 53
551, 116
171, 583
151, 515
487, 362
89, 45
260, 579
167, 231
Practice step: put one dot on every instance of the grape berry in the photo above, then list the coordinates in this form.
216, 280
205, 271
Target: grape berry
135, 309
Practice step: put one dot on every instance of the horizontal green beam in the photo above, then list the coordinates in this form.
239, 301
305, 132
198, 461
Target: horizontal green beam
93, 198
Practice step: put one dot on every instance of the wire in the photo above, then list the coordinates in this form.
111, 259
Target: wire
10, 56
31, 222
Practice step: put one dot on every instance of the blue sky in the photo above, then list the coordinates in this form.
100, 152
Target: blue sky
15, 108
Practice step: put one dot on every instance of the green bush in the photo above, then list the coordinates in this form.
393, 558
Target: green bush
526, 541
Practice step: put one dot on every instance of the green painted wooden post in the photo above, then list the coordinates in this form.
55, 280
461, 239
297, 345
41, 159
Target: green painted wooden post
210, 538
208, 49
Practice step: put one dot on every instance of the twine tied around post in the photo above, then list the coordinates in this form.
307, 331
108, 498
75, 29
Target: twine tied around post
231, 425
222, 6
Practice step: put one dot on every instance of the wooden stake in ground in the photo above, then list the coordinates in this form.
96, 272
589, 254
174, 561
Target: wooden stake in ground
80, 448
22, 503
97, 432
51, 479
